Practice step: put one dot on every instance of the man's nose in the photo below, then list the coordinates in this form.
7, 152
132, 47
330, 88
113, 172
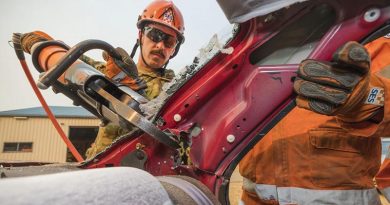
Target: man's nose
160, 44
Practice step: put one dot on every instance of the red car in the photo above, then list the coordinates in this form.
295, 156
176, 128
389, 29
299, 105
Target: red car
212, 114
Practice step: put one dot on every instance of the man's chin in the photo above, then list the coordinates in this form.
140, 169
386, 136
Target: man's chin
156, 65
156, 62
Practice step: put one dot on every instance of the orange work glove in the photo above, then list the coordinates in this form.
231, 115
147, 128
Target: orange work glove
341, 87
124, 71
29, 39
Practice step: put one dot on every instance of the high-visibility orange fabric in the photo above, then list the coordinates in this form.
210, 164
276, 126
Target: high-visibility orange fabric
318, 152
383, 176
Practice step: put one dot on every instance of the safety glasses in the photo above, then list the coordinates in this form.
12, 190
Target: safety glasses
157, 35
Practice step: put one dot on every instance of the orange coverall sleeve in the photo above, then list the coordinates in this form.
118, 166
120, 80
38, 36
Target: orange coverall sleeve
380, 57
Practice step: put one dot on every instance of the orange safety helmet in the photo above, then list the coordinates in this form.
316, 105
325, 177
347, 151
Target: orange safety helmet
163, 12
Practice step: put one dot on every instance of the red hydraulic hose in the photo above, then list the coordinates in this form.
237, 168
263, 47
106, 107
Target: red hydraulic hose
52, 118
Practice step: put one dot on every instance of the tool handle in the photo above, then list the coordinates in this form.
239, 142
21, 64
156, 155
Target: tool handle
71, 56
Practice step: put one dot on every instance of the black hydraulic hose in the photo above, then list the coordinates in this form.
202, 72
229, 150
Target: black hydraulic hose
39, 47
71, 56
57, 86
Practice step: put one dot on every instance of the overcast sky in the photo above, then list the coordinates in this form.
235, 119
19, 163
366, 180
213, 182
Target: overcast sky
73, 21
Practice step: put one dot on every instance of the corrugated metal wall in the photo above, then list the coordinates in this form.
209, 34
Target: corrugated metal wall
47, 144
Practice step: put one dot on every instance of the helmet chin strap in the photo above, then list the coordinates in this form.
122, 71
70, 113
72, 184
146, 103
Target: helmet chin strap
142, 56
134, 49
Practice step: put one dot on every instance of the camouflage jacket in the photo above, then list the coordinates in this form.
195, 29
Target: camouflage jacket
154, 80
107, 134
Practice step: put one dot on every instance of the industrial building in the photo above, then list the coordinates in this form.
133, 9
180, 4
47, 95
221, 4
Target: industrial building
29, 135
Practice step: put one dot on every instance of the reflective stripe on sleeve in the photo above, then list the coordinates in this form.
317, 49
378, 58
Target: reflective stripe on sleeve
386, 193
293, 195
388, 153
301, 196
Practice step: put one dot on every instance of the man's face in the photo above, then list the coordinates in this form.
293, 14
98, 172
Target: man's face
158, 44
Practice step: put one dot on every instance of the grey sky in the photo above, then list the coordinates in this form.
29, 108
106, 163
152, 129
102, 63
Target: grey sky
75, 20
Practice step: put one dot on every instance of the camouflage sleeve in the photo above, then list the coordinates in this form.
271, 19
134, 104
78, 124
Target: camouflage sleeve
98, 65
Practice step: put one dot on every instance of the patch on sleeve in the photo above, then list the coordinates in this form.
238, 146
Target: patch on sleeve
376, 96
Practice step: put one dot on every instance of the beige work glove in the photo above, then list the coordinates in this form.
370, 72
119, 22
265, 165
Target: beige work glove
341, 87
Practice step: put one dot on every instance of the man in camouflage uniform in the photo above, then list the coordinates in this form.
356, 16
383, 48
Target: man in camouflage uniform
161, 28
154, 82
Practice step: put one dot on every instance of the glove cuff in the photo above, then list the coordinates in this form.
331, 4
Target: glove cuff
372, 101
29, 39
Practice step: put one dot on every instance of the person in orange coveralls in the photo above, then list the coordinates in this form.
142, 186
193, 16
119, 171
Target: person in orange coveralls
328, 149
